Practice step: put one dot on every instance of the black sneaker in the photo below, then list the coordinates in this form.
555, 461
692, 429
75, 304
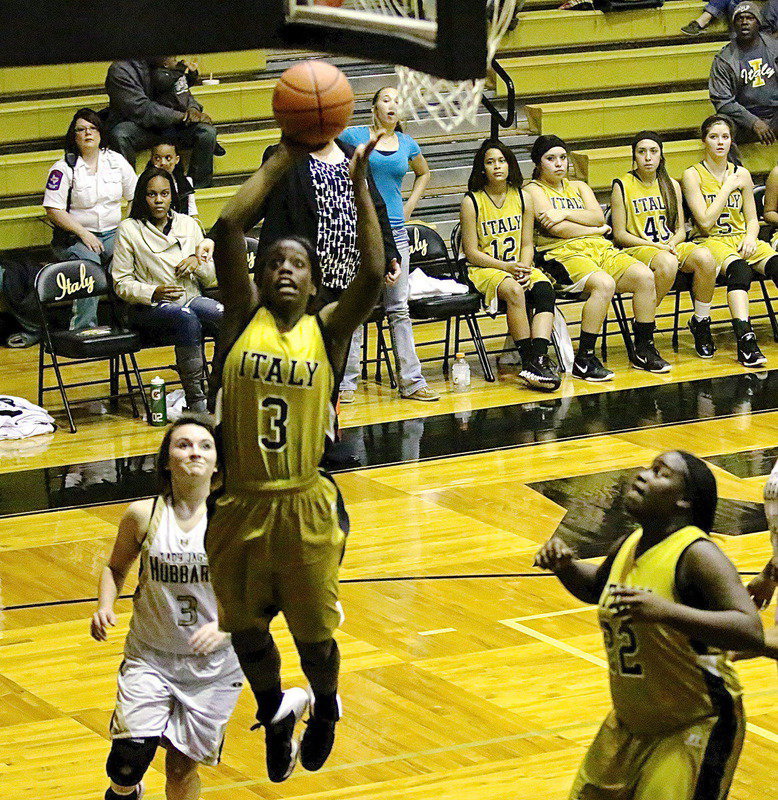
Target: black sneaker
748, 352
647, 357
589, 368
703, 341
540, 373
319, 736
693, 28
281, 748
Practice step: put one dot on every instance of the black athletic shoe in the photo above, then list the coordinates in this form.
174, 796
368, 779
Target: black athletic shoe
647, 357
589, 368
703, 341
281, 748
748, 352
693, 28
319, 736
540, 373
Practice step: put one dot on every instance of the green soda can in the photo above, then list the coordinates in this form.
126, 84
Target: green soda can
158, 404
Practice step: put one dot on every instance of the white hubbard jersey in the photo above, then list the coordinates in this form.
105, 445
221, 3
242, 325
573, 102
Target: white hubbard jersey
174, 597
771, 503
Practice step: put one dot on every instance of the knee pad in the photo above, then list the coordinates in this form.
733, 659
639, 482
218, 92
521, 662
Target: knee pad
541, 297
316, 652
771, 269
738, 276
130, 758
252, 645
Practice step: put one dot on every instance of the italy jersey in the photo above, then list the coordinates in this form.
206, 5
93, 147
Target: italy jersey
660, 679
645, 209
567, 197
731, 220
499, 227
174, 596
276, 405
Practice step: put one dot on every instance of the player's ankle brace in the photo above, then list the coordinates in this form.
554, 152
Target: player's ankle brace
741, 327
739, 276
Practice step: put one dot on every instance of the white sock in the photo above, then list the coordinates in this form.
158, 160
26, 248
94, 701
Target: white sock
701, 310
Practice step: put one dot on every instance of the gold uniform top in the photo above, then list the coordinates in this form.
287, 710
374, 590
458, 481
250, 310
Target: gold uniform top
567, 197
645, 208
499, 227
660, 680
276, 405
731, 220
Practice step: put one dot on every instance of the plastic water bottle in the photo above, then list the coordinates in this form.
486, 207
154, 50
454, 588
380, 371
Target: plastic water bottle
158, 402
460, 373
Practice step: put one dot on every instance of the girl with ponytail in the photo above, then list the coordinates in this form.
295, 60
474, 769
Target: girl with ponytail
720, 196
648, 224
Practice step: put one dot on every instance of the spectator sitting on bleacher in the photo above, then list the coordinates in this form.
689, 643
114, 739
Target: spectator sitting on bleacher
164, 155
82, 199
743, 83
161, 261
723, 8
150, 101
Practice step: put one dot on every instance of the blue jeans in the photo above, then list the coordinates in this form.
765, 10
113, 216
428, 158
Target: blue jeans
409, 374
85, 309
182, 325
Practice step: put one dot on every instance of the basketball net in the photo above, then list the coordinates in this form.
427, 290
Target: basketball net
423, 96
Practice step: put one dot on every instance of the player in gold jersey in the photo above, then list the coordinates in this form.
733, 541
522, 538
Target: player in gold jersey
277, 532
648, 223
670, 604
570, 232
720, 196
496, 222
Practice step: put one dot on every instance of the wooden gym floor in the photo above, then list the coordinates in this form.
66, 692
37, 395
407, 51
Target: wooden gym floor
466, 672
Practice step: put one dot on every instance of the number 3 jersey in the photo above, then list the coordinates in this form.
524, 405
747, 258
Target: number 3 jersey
276, 405
660, 679
174, 597
645, 209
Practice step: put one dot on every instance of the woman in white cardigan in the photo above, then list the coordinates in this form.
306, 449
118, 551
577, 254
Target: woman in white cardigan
161, 262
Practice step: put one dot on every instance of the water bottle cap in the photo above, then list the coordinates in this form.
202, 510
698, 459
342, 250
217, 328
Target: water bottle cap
459, 355
157, 380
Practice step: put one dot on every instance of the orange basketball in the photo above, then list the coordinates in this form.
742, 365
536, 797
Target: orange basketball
313, 102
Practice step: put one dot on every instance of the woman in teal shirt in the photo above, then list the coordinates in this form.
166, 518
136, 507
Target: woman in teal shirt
389, 162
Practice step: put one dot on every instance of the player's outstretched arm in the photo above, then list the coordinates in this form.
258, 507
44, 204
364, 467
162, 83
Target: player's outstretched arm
126, 548
239, 292
342, 318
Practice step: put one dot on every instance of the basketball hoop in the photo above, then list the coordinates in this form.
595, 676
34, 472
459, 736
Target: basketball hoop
423, 96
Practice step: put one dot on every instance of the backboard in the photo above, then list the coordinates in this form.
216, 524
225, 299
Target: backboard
443, 37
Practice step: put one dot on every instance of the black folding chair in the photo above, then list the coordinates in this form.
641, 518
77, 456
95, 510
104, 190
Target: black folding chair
62, 283
429, 253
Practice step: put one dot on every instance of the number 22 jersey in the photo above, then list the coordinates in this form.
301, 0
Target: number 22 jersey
660, 679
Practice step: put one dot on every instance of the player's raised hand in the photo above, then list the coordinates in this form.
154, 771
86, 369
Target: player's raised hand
554, 556
206, 639
102, 619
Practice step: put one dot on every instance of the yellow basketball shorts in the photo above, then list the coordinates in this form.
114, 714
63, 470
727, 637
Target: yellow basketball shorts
725, 248
579, 258
277, 552
646, 253
486, 280
697, 761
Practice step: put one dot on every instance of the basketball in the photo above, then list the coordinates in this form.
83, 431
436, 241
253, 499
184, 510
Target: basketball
313, 102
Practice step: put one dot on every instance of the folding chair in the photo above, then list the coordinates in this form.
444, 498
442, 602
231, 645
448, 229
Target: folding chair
61, 283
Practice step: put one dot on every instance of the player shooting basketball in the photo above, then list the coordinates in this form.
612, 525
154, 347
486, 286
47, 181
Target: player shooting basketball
277, 534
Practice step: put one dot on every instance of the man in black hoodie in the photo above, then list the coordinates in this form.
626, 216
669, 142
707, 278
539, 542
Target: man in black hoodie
151, 101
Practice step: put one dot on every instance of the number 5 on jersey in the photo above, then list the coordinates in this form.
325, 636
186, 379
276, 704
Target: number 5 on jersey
276, 411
